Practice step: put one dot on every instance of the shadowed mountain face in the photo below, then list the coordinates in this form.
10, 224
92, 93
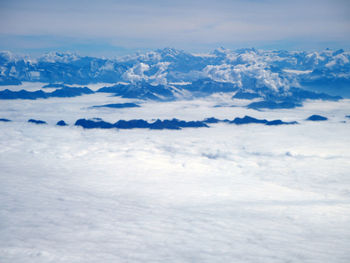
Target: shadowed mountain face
248, 119
65, 92
36, 121
61, 123
208, 86
246, 95
173, 124
293, 98
140, 90
270, 104
317, 118
118, 105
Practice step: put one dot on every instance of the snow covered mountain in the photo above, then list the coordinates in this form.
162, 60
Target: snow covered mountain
170, 73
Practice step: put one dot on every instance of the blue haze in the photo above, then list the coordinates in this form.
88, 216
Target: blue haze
109, 28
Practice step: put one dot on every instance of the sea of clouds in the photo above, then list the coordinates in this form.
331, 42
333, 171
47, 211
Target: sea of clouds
228, 193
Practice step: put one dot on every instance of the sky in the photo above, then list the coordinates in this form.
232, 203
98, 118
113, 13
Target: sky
112, 28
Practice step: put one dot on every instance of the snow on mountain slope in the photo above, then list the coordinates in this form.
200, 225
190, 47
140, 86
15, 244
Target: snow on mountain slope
248, 68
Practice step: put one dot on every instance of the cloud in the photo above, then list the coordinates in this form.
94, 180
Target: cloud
138, 72
246, 68
160, 196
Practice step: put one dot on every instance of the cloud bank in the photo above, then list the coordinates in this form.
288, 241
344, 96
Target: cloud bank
206, 195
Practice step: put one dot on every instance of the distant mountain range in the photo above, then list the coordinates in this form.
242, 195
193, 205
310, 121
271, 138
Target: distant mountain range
171, 124
277, 78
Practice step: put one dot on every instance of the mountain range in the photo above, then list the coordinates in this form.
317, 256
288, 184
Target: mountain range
278, 79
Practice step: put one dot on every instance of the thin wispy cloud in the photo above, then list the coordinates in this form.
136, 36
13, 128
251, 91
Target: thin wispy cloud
183, 24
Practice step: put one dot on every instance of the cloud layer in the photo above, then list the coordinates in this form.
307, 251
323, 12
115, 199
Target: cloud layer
253, 193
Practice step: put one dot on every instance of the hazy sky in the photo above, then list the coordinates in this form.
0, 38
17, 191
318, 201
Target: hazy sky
108, 27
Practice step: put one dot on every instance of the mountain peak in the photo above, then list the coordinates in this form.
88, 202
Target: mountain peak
7, 55
59, 57
168, 51
221, 51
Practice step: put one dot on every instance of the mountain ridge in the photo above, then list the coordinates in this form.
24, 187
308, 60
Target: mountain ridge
270, 75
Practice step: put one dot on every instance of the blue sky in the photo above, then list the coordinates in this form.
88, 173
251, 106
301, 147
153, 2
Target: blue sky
108, 28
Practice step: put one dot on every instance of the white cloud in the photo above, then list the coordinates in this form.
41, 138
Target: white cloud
70, 194
136, 73
160, 76
254, 68
142, 196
